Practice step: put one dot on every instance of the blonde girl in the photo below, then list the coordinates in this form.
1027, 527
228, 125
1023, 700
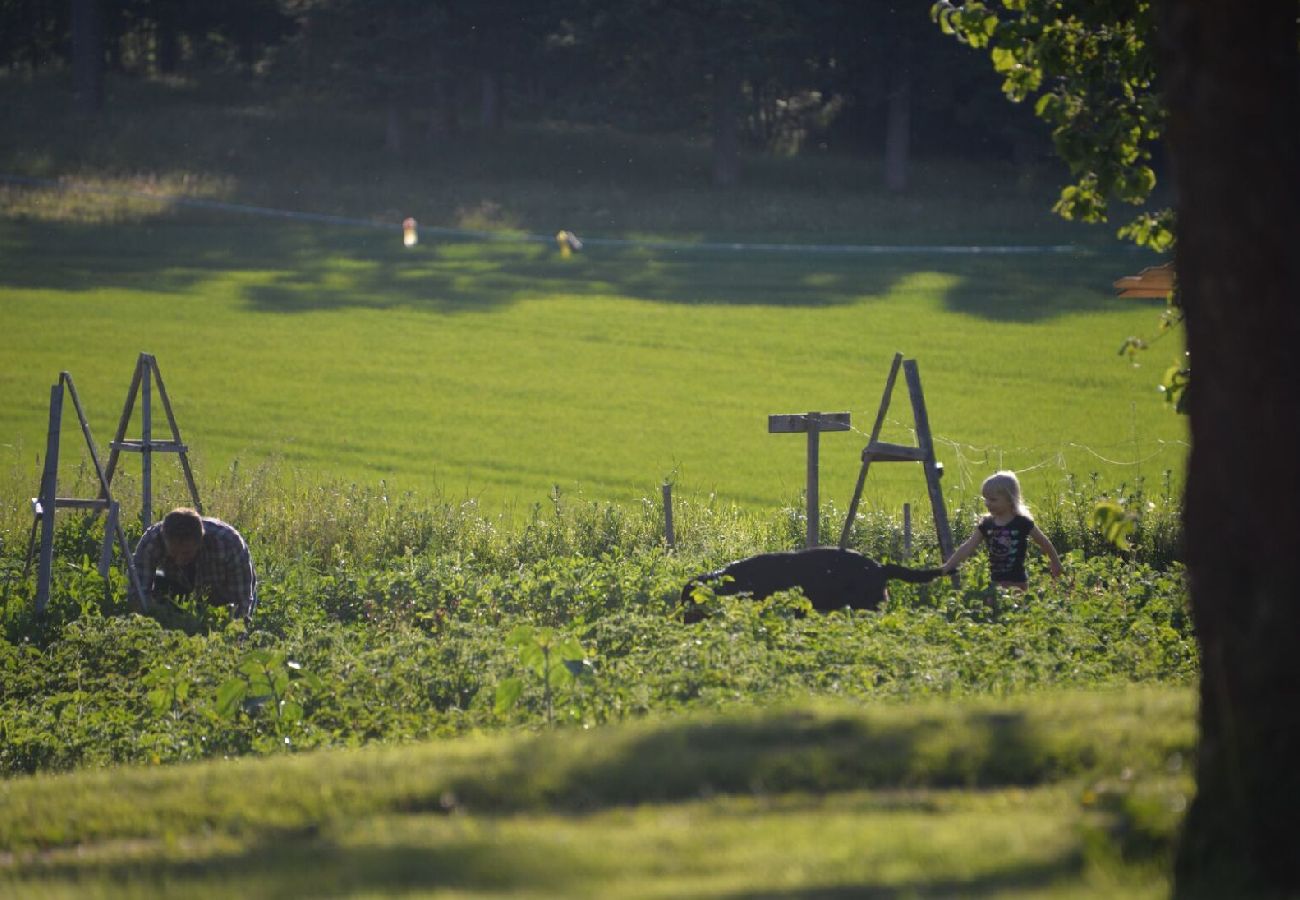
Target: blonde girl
1007, 530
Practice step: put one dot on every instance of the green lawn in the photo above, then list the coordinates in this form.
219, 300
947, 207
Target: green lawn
1051, 795
499, 370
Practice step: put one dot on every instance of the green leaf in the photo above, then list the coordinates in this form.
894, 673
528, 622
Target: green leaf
160, 700
230, 695
570, 649
522, 634
1176, 385
507, 695
1114, 522
290, 711
534, 657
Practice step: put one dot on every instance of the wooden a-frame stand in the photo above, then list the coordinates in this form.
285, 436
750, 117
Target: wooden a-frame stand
45, 506
146, 374
49, 501
879, 451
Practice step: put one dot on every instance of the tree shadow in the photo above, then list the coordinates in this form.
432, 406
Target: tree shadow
1031, 878
310, 866
288, 268
297, 866
797, 752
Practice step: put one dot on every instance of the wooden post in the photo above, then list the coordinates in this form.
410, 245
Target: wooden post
49, 495
866, 453
142, 382
933, 470
812, 424
146, 450
669, 538
907, 531
880, 451
49, 502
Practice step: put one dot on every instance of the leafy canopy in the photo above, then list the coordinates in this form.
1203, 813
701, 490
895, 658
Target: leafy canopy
1090, 65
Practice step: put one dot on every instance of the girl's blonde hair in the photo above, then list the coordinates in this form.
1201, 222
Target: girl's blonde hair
1006, 483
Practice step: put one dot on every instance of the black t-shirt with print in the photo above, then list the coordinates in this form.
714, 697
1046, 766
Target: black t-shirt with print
1007, 545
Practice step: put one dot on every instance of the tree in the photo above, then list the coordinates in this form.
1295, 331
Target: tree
87, 56
1231, 97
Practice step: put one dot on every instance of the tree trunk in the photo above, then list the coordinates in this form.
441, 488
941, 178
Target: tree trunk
726, 128
898, 120
1230, 74
87, 56
168, 37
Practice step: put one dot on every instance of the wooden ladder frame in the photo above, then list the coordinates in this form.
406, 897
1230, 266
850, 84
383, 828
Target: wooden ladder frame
49, 502
879, 451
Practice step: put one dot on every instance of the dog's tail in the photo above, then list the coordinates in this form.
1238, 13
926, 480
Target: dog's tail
915, 576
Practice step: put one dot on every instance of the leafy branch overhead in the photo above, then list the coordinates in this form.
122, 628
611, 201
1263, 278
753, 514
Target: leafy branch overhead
1090, 65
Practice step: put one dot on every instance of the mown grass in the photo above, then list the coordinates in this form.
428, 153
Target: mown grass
1078, 795
499, 371
496, 371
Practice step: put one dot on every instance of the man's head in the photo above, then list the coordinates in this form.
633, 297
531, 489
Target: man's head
182, 531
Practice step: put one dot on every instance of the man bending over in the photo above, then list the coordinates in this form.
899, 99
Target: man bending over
188, 553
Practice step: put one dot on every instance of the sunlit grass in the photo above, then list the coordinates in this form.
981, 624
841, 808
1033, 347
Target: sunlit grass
774, 802
497, 371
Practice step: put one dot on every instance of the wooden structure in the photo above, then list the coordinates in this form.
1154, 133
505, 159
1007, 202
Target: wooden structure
812, 424
879, 451
142, 383
1153, 281
49, 502
146, 377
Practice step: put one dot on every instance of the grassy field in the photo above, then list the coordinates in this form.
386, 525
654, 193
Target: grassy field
1010, 798
344, 396
497, 371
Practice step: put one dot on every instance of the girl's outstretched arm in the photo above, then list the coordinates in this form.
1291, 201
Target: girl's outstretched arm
1046, 546
961, 553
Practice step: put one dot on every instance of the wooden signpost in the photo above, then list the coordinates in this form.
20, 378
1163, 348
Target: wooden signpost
812, 424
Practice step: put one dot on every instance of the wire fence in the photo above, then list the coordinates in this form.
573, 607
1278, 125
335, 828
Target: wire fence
469, 234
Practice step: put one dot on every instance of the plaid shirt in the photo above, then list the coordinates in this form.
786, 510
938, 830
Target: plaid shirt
222, 570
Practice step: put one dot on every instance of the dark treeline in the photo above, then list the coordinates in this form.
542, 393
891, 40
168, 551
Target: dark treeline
862, 77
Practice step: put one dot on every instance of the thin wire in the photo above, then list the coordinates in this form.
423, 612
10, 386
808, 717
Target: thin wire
471, 234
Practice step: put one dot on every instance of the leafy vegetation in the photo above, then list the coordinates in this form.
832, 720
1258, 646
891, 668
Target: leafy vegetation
389, 619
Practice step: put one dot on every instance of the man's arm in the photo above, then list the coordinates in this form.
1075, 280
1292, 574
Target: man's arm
146, 559
237, 583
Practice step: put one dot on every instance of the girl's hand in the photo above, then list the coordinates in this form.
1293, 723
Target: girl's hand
1056, 568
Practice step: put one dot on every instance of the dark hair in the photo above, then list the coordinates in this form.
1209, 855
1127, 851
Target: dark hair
183, 524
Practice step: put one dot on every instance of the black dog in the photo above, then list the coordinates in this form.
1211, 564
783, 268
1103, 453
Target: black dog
830, 578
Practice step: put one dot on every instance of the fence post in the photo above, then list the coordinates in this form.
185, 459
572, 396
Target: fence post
669, 537
907, 531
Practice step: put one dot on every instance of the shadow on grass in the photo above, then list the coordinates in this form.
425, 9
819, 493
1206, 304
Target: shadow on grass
1030, 878
317, 867
323, 868
293, 268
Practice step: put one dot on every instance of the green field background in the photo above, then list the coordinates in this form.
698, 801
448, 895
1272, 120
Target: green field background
499, 371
